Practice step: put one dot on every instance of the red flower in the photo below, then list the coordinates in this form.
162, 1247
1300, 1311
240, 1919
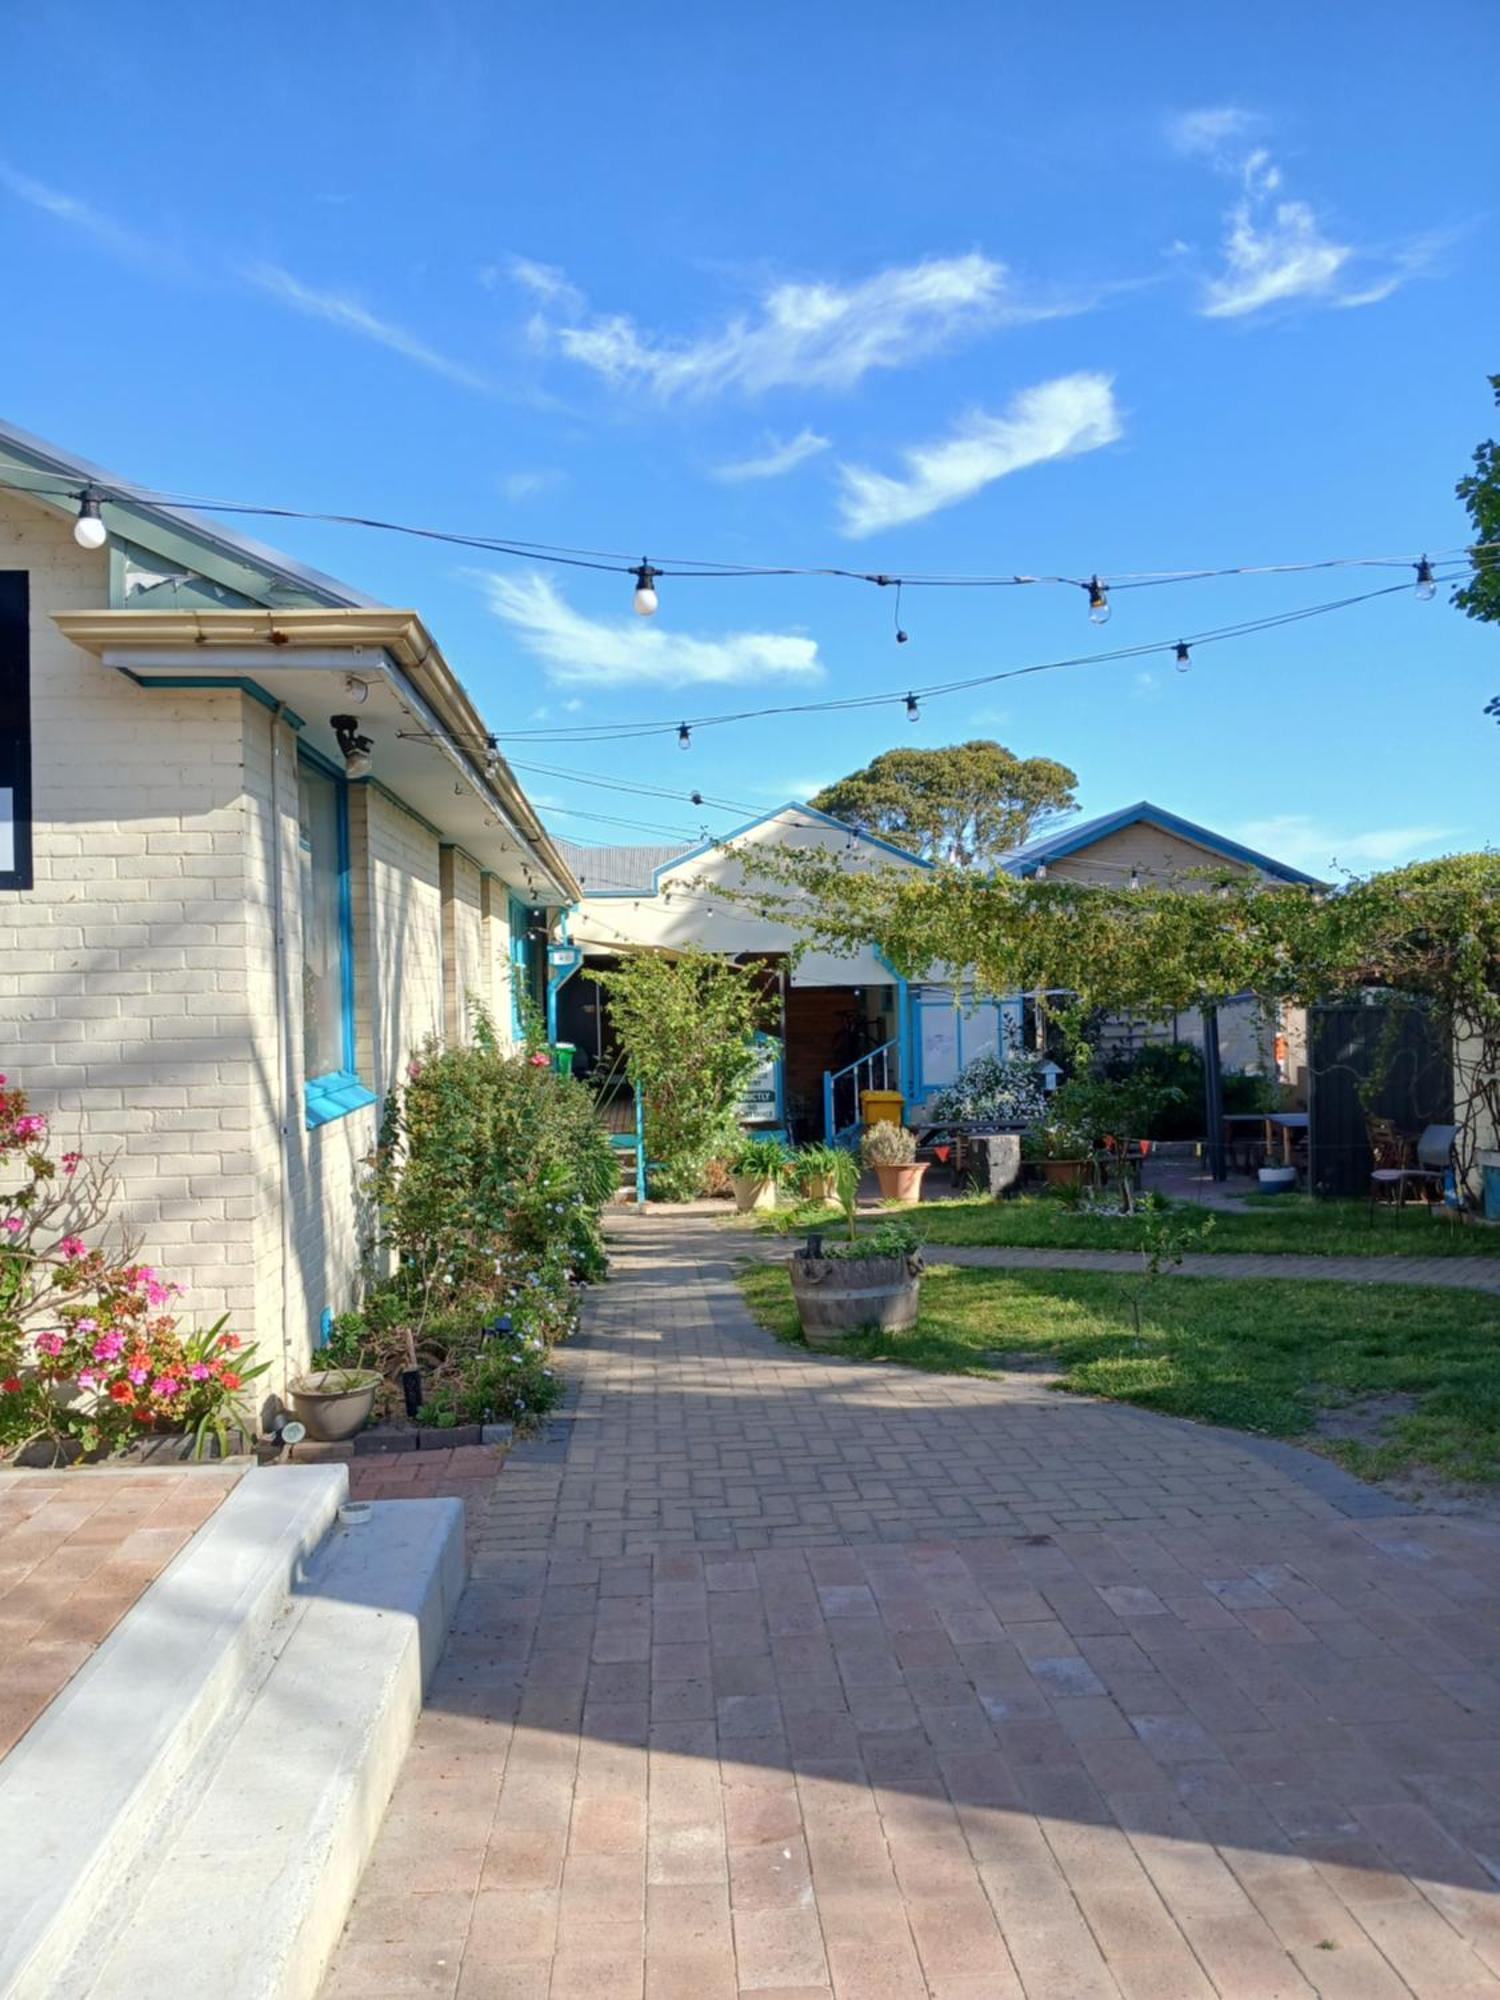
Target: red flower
122, 1392
141, 1413
229, 1380
230, 1341
11, 1385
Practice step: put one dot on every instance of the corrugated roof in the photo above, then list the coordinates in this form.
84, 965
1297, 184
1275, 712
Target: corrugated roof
604, 868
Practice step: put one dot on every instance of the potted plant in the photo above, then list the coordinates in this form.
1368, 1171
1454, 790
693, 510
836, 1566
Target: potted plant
1060, 1153
753, 1167
817, 1170
334, 1403
843, 1287
892, 1151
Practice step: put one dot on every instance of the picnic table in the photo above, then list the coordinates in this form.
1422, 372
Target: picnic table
1289, 1124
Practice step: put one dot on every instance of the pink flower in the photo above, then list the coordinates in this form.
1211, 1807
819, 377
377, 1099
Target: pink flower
72, 1246
165, 1386
413, 1070
538, 1060
138, 1375
200, 1371
14, 1224
87, 1377
108, 1346
49, 1343
70, 1162
86, 1325
31, 1126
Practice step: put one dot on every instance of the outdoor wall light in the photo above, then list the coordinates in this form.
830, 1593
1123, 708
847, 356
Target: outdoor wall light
89, 530
353, 748
356, 689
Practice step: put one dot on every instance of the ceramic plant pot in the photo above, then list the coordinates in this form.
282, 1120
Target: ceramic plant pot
903, 1183
752, 1191
1278, 1180
334, 1403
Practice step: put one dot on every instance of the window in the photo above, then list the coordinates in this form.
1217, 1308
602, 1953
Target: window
15, 732
331, 1087
528, 965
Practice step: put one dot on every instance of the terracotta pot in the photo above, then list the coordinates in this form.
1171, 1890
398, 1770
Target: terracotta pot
334, 1403
902, 1183
840, 1296
1063, 1173
818, 1187
752, 1191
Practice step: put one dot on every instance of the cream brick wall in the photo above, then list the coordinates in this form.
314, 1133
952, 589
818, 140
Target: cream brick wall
465, 973
123, 1002
140, 981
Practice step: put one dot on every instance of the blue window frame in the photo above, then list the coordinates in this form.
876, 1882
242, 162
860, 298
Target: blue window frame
527, 963
330, 1089
15, 731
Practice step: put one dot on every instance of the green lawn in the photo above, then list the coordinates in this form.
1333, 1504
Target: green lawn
1267, 1355
1279, 1223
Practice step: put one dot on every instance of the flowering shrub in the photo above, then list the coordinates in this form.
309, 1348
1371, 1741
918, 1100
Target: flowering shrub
992, 1090
91, 1353
507, 1379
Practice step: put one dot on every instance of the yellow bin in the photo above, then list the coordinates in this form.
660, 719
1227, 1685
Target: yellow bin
881, 1107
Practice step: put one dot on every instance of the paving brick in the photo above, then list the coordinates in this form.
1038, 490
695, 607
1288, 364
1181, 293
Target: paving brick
804, 1679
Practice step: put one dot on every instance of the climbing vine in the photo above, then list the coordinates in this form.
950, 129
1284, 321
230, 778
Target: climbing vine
1430, 930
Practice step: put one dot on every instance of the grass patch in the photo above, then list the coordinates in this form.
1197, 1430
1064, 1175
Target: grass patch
1268, 1355
1291, 1225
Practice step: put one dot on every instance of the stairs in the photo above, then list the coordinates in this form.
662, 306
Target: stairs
192, 1813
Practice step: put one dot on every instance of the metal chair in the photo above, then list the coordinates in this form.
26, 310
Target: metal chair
1399, 1165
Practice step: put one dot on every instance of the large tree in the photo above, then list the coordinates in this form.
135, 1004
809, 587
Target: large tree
969, 803
1480, 492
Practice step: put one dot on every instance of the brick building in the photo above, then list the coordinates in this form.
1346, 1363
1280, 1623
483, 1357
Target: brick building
224, 922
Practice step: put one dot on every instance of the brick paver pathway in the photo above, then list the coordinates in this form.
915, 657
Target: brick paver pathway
77, 1548
787, 1678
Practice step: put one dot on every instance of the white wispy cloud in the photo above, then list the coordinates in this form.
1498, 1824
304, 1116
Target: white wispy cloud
1058, 419
546, 281
82, 215
628, 651
1276, 250
778, 457
819, 334
526, 485
1319, 848
342, 310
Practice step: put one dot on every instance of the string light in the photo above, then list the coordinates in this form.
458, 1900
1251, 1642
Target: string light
900, 634
913, 712
1183, 657
1098, 601
644, 601
684, 737
1426, 581
89, 530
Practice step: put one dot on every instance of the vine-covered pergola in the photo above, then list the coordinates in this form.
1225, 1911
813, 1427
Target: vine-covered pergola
1429, 931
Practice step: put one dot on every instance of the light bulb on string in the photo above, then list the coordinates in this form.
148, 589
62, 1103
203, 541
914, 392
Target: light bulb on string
1098, 601
644, 601
900, 635
1426, 581
913, 712
1183, 657
695, 798
684, 737
89, 530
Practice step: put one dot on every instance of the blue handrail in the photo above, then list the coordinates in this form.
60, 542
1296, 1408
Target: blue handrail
880, 1069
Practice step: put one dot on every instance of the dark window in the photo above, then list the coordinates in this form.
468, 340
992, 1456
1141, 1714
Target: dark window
15, 732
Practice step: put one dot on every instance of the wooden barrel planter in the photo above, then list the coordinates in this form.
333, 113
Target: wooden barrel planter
840, 1296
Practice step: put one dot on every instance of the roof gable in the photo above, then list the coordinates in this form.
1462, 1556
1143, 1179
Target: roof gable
1074, 839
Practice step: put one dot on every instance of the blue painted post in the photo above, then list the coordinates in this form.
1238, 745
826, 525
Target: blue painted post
640, 1150
828, 1107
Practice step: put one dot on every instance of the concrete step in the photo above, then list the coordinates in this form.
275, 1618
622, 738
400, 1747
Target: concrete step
247, 1888
82, 1791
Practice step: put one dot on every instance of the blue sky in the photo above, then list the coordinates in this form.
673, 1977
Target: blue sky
957, 288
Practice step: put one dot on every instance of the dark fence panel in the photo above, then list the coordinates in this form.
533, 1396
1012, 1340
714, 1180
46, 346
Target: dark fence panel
1384, 1037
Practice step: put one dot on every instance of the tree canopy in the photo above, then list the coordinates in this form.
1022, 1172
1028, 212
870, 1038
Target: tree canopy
967, 803
1480, 492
